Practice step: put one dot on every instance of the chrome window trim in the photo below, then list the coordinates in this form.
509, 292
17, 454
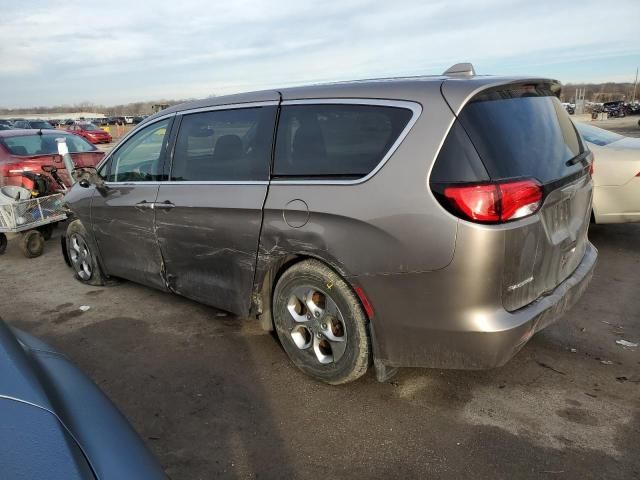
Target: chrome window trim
126, 137
415, 108
230, 106
189, 182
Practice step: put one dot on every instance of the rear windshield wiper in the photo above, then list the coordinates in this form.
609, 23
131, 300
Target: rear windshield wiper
578, 158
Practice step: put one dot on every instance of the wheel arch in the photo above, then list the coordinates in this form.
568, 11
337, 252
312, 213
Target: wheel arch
269, 272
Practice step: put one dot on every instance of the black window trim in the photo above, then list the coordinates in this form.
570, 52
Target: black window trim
416, 110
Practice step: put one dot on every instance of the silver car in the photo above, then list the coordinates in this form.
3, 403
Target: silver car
431, 221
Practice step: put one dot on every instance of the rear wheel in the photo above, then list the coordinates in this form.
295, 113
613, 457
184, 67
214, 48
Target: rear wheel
83, 260
321, 324
3, 243
32, 243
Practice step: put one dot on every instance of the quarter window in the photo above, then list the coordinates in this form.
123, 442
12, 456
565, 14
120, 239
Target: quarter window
140, 157
339, 140
224, 145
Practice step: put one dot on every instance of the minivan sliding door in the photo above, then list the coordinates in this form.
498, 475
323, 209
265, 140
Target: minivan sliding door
209, 215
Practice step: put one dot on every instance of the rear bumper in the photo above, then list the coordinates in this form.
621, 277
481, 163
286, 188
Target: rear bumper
480, 339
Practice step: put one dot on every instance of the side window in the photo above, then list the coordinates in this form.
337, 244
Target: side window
139, 159
339, 140
224, 145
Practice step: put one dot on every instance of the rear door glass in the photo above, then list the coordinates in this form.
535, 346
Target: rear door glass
522, 132
225, 145
341, 140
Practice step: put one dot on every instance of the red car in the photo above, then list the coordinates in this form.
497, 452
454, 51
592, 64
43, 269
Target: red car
90, 132
30, 159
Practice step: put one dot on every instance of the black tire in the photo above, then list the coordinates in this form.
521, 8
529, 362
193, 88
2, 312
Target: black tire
32, 243
352, 355
3, 243
83, 259
46, 231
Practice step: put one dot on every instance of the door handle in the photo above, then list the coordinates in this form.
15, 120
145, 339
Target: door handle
144, 205
166, 205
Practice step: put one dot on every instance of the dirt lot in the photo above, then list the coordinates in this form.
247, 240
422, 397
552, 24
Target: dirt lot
214, 396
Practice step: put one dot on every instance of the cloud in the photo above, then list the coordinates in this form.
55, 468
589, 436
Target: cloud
69, 51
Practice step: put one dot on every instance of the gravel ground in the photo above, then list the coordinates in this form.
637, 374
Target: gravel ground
215, 397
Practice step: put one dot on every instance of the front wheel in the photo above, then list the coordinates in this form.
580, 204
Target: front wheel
321, 324
83, 260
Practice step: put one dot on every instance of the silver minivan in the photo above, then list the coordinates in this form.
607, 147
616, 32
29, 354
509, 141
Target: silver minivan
429, 221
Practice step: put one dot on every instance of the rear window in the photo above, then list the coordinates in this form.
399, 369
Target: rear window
521, 131
340, 140
39, 124
36, 144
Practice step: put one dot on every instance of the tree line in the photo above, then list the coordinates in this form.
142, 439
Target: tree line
133, 108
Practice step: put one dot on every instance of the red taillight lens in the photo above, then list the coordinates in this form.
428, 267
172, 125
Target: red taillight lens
495, 202
520, 199
476, 202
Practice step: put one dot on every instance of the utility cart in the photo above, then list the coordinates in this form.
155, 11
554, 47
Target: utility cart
32, 218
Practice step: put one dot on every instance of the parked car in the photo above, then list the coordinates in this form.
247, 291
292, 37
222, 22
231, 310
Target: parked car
4, 126
34, 124
90, 132
117, 121
388, 229
137, 120
28, 157
6, 123
616, 177
128, 119
56, 423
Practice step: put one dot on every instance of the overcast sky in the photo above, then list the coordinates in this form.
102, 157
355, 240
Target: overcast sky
63, 52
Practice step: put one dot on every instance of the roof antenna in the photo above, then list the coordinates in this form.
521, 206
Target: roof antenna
460, 69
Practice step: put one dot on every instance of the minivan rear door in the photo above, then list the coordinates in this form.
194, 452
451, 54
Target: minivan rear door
209, 215
521, 131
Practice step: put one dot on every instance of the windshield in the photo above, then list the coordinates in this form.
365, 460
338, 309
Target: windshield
597, 135
90, 127
27, 145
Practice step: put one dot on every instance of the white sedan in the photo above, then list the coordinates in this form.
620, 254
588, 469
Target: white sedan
616, 176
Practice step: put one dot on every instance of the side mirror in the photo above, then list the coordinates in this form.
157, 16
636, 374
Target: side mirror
88, 176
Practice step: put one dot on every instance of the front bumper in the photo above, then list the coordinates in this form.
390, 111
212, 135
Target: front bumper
486, 338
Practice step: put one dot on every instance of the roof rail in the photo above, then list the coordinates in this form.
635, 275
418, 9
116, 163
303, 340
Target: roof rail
461, 69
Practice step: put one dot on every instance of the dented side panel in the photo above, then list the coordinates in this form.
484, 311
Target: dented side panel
125, 234
209, 241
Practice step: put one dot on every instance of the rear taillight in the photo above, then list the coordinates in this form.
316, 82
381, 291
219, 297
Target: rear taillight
494, 202
9, 169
